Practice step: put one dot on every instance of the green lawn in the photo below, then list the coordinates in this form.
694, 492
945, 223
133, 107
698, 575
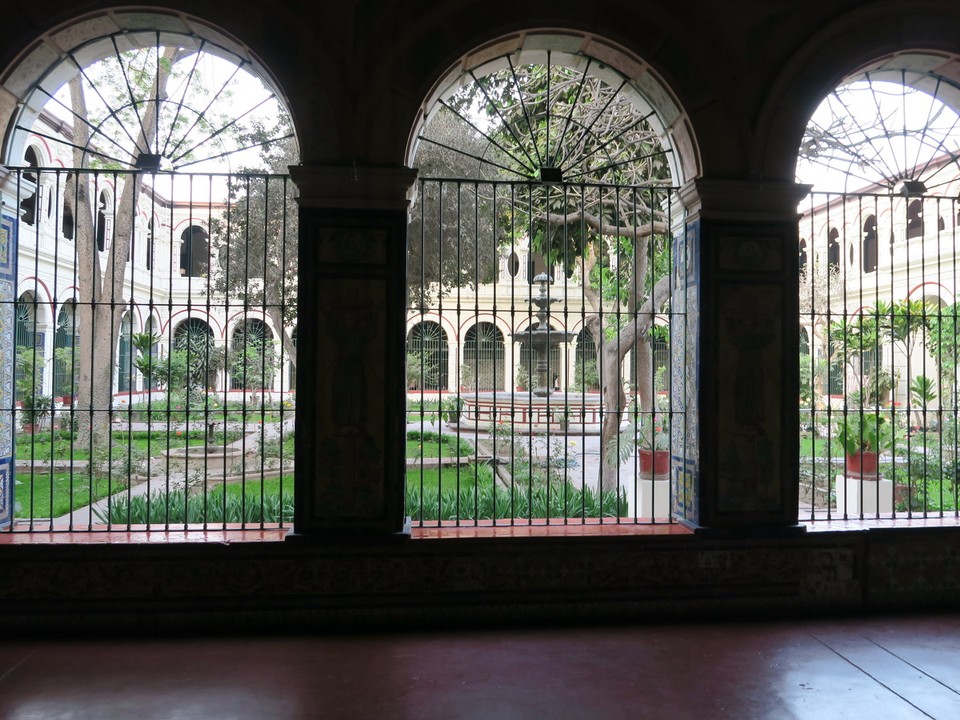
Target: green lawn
70, 492
56, 445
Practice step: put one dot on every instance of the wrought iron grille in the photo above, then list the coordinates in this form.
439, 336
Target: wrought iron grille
879, 349
517, 435
153, 350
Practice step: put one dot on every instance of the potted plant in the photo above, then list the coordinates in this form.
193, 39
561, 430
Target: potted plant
523, 377
450, 407
35, 409
653, 439
863, 436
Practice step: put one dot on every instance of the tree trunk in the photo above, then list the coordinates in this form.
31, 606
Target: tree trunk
614, 399
102, 296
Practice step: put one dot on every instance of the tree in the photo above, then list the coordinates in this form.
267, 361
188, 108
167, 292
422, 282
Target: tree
943, 342
101, 289
452, 239
255, 240
599, 211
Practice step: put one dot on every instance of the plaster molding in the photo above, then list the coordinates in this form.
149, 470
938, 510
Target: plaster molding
357, 187
751, 200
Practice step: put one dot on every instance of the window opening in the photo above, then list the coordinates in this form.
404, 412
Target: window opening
152, 345
878, 398
560, 166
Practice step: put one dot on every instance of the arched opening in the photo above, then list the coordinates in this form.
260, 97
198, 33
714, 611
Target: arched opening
833, 250
882, 147
483, 358
65, 348
195, 359
131, 103
194, 251
29, 363
586, 371
125, 354
100, 226
28, 206
253, 357
428, 356
552, 160
870, 244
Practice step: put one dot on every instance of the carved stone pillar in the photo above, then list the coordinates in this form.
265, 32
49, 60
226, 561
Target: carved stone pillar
350, 435
746, 281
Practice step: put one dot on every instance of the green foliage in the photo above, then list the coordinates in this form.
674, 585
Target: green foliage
864, 432
36, 408
253, 364
194, 358
922, 391
453, 446
943, 339
522, 375
216, 506
422, 370
488, 501
28, 377
146, 361
585, 375
64, 359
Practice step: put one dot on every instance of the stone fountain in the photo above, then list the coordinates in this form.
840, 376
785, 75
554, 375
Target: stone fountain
541, 409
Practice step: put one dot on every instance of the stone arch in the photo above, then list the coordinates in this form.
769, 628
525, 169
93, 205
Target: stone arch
578, 51
52, 59
876, 37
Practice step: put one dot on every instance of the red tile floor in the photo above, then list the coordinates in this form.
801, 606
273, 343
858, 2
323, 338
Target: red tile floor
876, 668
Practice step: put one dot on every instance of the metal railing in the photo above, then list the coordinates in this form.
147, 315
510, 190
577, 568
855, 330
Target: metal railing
149, 323
879, 349
512, 418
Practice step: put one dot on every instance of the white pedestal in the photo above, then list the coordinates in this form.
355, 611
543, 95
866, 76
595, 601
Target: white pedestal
856, 495
654, 500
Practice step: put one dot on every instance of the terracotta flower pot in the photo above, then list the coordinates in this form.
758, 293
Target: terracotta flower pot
654, 462
862, 463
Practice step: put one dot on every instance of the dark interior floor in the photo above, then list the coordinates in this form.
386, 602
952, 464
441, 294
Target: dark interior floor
883, 668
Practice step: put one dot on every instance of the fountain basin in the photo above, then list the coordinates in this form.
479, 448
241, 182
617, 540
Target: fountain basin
560, 413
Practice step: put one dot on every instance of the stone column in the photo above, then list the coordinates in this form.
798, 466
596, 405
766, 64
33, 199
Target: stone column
744, 280
351, 397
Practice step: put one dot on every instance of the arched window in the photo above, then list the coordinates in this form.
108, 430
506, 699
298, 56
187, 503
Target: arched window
28, 341
528, 365
100, 230
803, 255
428, 355
483, 358
65, 349
586, 366
66, 220
148, 246
125, 355
833, 249
28, 206
915, 219
804, 342
195, 359
253, 358
870, 244
194, 251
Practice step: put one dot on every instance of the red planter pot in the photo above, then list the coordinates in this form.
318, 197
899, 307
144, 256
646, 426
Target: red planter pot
654, 462
862, 463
